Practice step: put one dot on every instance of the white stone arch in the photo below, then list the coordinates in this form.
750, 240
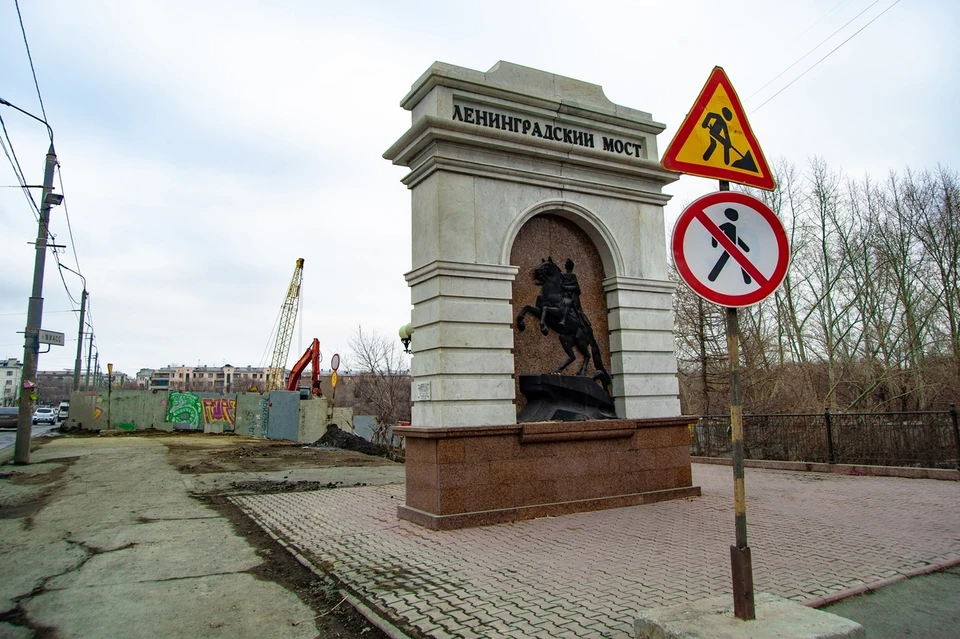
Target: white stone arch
586, 220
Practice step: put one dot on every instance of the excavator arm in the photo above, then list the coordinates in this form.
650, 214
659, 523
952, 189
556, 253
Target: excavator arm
311, 357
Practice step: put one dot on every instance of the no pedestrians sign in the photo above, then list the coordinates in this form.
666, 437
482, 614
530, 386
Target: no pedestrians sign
730, 249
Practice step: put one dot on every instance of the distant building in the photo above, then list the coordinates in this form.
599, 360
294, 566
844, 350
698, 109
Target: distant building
55, 386
143, 377
217, 379
10, 371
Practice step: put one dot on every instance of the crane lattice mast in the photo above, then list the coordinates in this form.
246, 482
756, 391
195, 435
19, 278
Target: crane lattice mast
288, 319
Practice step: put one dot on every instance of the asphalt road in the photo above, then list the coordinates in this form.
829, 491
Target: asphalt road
8, 437
923, 607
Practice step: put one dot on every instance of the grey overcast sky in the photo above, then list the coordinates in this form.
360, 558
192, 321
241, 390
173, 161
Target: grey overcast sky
206, 145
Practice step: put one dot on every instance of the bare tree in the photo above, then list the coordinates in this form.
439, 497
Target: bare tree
239, 384
379, 378
934, 201
868, 316
700, 350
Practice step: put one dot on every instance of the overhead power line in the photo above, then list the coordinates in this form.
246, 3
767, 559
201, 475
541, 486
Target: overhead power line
60, 268
815, 64
17, 170
824, 17
30, 58
805, 55
66, 214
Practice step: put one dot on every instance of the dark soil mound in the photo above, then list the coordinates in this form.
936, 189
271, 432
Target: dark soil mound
348, 441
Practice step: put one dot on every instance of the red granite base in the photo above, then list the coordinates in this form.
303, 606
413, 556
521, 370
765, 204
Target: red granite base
472, 476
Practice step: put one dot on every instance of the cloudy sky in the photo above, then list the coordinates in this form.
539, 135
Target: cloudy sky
206, 145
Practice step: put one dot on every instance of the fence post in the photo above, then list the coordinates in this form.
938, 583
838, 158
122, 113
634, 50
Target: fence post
956, 431
831, 456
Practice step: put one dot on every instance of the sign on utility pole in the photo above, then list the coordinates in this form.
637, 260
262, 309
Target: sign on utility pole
50, 337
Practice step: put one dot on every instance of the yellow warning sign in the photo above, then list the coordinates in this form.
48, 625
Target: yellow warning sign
715, 139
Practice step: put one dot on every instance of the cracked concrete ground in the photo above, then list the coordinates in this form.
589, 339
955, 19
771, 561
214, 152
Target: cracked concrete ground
95, 543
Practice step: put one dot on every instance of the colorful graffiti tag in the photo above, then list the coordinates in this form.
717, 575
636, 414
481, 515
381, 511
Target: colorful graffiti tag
192, 410
219, 409
185, 408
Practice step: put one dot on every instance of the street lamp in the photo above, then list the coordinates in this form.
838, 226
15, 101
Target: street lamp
31, 346
406, 333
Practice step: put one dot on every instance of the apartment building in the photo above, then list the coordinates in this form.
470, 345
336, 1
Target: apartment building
10, 371
218, 379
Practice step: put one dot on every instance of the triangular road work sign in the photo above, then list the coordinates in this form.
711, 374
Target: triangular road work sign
715, 139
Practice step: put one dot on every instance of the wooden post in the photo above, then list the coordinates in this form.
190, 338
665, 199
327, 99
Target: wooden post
741, 565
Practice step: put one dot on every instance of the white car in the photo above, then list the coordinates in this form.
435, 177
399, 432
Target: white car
45, 416
63, 411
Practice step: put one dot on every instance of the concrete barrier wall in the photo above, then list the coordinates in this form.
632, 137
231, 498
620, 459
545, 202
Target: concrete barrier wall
314, 417
251, 414
243, 413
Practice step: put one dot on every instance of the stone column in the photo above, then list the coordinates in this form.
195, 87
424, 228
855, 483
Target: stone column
642, 349
463, 362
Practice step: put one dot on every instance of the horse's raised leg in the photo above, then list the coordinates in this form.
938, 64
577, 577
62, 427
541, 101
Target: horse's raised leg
531, 310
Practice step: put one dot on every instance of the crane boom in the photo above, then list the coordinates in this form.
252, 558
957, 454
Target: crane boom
288, 319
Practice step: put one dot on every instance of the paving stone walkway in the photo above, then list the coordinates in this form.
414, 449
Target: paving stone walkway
586, 575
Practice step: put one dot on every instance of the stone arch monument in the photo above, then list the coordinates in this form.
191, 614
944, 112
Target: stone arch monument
509, 169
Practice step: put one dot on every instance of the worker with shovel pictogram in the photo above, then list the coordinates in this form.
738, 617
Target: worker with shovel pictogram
720, 133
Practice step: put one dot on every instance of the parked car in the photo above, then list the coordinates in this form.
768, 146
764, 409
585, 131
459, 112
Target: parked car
63, 411
9, 416
45, 416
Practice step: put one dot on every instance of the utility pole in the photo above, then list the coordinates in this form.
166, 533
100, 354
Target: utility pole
86, 380
109, 391
83, 308
78, 363
31, 347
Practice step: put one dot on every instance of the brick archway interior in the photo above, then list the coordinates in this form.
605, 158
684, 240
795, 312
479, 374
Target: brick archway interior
549, 235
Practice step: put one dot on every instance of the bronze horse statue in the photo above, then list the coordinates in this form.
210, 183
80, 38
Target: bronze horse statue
558, 308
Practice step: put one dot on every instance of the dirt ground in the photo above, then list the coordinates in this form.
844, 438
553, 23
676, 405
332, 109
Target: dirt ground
335, 616
198, 453
238, 454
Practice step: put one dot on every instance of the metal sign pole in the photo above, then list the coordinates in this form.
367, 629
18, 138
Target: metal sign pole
741, 565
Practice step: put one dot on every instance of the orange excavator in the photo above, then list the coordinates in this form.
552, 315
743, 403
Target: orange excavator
312, 357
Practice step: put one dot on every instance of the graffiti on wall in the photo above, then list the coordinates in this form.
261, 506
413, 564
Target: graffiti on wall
253, 421
185, 408
264, 416
219, 409
192, 410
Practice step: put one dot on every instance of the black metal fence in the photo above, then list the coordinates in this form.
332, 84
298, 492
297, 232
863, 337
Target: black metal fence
921, 439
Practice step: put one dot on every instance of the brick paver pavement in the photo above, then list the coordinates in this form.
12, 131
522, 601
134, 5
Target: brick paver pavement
586, 575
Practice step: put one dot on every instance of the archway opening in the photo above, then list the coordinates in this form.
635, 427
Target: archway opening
548, 235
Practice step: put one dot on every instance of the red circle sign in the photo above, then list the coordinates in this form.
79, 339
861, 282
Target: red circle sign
730, 249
